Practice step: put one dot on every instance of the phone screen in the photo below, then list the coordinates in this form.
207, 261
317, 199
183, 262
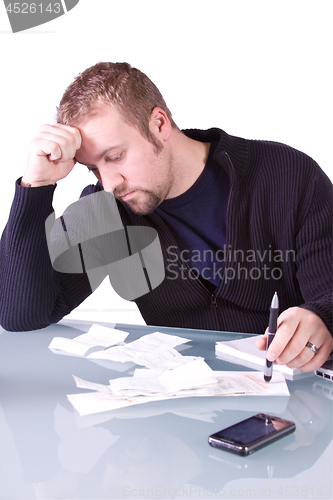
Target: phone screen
251, 429
251, 434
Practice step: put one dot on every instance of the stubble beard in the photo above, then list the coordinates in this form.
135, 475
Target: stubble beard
146, 206
150, 200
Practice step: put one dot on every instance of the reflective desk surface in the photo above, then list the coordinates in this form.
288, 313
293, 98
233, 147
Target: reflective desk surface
155, 450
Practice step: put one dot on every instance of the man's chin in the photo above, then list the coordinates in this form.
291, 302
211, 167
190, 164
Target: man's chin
142, 208
137, 209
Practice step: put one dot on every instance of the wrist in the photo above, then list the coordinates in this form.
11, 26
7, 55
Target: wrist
27, 183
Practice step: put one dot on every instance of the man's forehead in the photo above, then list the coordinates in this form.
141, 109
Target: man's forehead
92, 151
100, 134
103, 112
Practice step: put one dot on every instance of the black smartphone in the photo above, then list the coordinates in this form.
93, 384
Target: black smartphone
251, 434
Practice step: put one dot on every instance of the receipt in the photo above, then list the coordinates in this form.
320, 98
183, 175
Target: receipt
96, 336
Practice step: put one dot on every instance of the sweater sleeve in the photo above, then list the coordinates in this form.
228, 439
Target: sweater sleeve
314, 255
32, 294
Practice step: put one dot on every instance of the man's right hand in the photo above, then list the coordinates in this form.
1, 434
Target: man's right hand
51, 155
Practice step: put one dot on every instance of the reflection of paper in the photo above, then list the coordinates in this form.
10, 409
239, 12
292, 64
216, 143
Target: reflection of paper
79, 450
96, 336
145, 389
196, 413
95, 402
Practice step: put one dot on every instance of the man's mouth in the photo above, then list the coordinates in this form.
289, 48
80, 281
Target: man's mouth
127, 195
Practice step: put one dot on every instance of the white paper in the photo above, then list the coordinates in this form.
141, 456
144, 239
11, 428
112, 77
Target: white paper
247, 383
130, 393
193, 374
154, 351
161, 360
244, 352
69, 346
96, 336
84, 384
156, 340
118, 353
135, 386
101, 335
145, 373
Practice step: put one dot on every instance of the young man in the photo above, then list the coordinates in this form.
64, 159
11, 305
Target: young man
237, 220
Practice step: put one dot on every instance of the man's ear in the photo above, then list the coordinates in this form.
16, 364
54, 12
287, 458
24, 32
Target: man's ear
159, 124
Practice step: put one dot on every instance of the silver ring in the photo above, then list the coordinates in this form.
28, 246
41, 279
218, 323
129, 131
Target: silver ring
312, 347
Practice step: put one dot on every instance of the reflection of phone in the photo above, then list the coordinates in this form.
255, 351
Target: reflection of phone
251, 434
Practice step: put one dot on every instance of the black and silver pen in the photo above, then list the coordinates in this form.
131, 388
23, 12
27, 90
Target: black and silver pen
273, 315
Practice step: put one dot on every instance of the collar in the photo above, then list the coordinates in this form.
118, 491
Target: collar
231, 151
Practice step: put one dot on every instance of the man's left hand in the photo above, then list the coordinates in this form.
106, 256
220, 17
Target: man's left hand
296, 327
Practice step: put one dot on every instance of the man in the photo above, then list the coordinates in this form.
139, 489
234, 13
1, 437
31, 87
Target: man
237, 220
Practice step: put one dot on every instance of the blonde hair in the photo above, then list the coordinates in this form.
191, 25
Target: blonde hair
118, 84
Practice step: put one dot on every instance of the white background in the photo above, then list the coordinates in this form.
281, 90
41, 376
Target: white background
259, 69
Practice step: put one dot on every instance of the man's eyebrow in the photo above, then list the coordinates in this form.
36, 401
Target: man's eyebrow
103, 153
100, 155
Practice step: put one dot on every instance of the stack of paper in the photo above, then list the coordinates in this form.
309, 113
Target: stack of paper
167, 374
127, 391
244, 352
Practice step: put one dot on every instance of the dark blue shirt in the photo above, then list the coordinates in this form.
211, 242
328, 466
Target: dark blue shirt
197, 219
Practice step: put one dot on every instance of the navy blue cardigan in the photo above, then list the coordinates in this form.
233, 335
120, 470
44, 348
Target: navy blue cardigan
279, 238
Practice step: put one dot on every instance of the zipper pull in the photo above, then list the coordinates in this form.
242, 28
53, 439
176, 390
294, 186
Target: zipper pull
213, 301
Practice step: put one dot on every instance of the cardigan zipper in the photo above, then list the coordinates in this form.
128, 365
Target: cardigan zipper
213, 302
213, 298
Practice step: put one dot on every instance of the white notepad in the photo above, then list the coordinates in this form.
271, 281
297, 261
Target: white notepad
244, 352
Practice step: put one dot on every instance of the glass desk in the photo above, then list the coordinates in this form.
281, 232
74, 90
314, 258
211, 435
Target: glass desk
154, 450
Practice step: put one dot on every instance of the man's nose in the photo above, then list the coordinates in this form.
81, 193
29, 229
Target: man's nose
110, 180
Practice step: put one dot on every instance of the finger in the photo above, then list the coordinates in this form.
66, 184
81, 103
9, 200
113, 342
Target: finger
296, 353
311, 328
261, 342
287, 328
73, 131
309, 361
57, 147
48, 148
301, 360
53, 150
71, 134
